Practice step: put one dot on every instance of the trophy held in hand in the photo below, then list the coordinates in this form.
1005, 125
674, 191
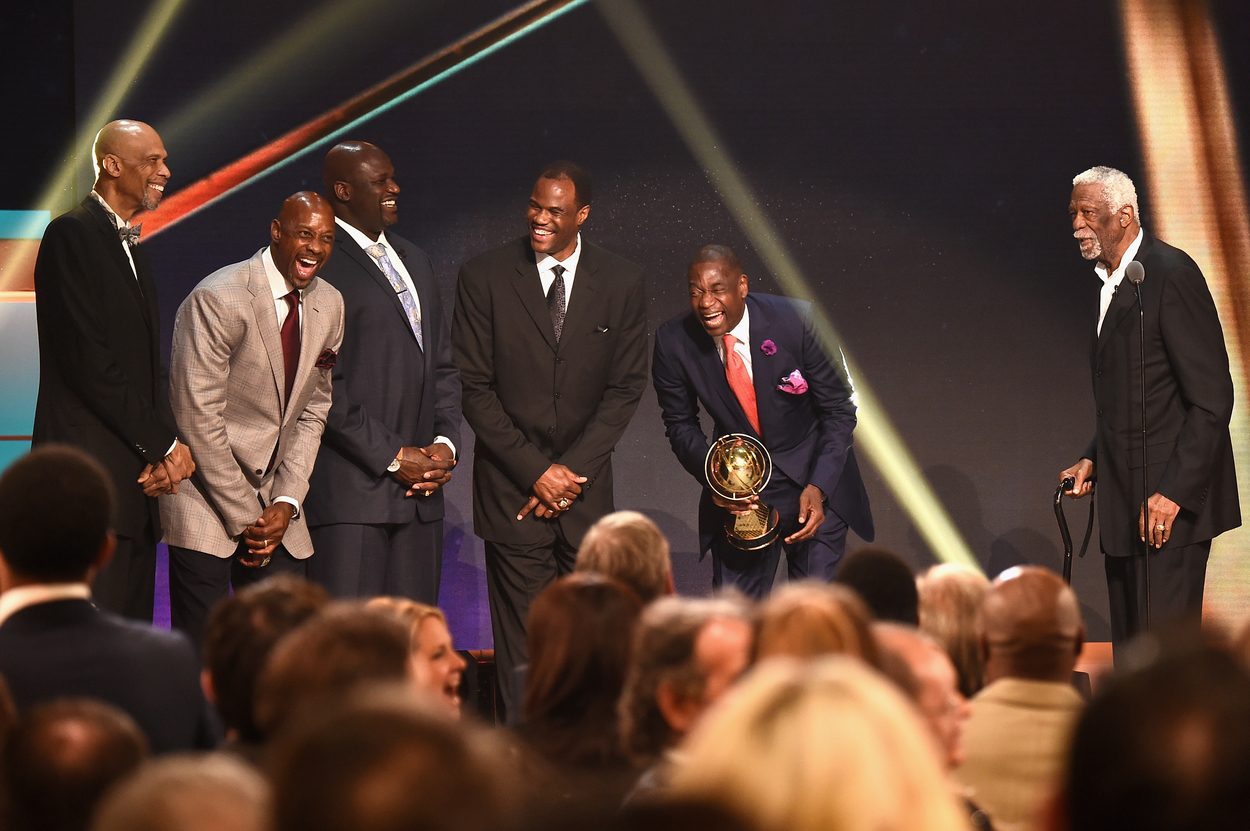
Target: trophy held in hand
738, 467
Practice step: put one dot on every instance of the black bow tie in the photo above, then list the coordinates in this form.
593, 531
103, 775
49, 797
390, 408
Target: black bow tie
131, 234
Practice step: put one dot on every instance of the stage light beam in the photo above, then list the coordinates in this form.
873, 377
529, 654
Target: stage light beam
874, 431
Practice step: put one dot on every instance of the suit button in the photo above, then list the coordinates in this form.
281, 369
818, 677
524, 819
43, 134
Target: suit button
551, 429
1098, 374
262, 473
1099, 414
557, 396
559, 360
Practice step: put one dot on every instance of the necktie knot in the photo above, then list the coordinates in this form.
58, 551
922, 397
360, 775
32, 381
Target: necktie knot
130, 233
292, 299
377, 251
730, 343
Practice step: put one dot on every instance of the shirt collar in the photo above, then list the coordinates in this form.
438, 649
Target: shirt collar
16, 599
361, 238
546, 261
118, 222
278, 284
743, 330
1129, 253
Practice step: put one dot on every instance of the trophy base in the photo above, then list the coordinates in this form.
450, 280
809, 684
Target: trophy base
754, 531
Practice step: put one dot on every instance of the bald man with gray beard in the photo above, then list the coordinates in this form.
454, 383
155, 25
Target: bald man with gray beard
1030, 635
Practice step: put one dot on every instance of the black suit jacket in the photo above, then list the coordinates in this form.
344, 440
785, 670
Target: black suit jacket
101, 383
69, 648
1189, 451
808, 435
532, 403
388, 392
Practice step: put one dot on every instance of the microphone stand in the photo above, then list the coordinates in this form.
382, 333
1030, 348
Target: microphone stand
1140, 274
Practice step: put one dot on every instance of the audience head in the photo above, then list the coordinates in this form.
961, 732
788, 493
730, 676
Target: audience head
686, 654
807, 619
1163, 747
437, 667
37, 543
885, 582
60, 760
925, 673
188, 793
1030, 627
809, 746
384, 762
629, 547
580, 629
240, 634
325, 657
950, 598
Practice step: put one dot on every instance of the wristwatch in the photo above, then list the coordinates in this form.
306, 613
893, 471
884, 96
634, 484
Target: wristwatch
393, 467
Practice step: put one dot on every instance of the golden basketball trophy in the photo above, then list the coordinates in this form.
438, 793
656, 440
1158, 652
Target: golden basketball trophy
738, 467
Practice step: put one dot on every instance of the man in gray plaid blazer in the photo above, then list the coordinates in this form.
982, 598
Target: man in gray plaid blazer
253, 347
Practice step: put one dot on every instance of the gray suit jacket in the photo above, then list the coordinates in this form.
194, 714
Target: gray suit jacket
226, 385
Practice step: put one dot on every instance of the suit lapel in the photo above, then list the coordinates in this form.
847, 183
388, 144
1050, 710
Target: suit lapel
267, 322
349, 246
530, 290
311, 339
113, 244
582, 299
763, 367
1122, 303
713, 370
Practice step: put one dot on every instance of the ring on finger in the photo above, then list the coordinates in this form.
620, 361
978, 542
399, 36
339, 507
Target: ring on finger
1161, 528
564, 502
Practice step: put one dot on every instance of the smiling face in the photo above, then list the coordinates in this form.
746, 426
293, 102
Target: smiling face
368, 193
1102, 232
303, 237
718, 296
133, 170
437, 667
554, 217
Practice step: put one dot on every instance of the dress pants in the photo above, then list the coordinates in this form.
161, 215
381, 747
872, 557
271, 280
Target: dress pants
752, 572
515, 575
399, 559
127, 585
1177, 577
198, 581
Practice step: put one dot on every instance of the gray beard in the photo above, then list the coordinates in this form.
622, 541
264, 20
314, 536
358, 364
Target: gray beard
1094, 253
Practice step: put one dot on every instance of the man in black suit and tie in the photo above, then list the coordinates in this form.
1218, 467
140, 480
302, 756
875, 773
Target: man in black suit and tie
375, 501
550, 334
101, 383
755, 365
53, 642
1189, 395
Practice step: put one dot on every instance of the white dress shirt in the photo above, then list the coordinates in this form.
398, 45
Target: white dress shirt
1110, 282
743, 347
16, 599
546, 261
119, 223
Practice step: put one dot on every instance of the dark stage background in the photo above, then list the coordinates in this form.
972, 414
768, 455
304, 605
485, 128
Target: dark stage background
917, 158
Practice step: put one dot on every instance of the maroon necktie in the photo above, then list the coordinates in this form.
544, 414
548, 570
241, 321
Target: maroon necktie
290, 341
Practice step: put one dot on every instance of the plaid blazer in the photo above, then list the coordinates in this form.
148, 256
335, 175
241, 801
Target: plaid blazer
227, 382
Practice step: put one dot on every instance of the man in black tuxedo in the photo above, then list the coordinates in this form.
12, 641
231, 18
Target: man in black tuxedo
53, 642
1189, 395
790, 398
375, 501
101, 383
550, 335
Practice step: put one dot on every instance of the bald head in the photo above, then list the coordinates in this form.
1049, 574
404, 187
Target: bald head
1030, 626
130, 167
360, 183
303, 237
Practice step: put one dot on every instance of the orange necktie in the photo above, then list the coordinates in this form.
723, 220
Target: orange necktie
740, 382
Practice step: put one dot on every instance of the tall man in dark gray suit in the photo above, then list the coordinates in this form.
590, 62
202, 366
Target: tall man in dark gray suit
550, 334
101, 383
1189, 398
375, 501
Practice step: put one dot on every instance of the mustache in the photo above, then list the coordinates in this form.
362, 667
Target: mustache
1084, 235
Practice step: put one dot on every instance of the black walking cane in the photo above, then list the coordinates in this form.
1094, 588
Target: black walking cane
1065, 486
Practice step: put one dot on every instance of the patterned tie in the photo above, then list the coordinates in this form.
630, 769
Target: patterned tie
555, 300
740, 382
130, 233
378, 252
291, 340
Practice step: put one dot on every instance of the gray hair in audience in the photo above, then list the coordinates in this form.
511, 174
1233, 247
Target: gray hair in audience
950, 597
630, 547
188, 793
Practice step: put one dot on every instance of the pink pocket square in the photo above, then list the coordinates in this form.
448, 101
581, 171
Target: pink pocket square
794, 383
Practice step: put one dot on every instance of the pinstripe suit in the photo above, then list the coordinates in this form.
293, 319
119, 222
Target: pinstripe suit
227, 386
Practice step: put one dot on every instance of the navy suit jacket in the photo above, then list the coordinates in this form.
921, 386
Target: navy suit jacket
1189, 451
807, 435
69, 648
101, 383
388, 392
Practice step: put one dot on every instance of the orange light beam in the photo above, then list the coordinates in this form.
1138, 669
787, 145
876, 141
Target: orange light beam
372, 102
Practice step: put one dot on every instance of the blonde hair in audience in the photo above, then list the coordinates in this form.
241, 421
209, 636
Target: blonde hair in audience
807, 619
826, 745
408, 611
950, 600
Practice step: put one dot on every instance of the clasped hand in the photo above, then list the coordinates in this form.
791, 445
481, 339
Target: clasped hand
554, 492
264, 536
424, 469
163, 478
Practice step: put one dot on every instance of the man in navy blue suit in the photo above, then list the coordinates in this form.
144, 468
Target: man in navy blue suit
755, 365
